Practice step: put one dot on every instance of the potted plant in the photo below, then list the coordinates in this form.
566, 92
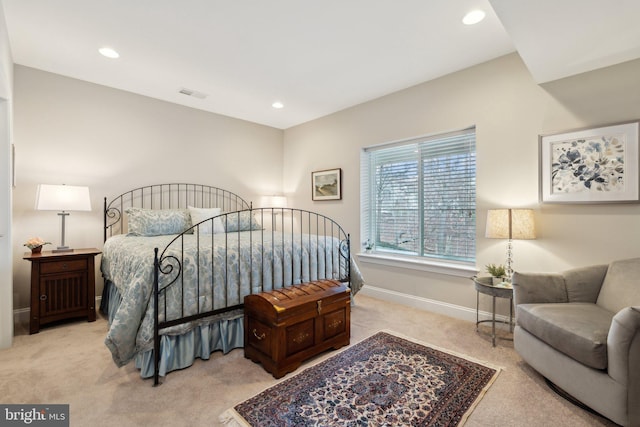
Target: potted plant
497, 272
368, 246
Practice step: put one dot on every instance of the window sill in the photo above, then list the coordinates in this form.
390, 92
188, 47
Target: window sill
448, 268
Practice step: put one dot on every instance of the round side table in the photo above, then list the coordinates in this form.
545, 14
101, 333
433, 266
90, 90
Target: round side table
484, 285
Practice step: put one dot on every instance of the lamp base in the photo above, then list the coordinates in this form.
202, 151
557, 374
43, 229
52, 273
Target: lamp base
62, 249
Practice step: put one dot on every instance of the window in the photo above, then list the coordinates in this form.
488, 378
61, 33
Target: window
419, 197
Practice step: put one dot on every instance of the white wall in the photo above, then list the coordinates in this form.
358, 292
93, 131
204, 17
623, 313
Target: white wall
509, 111
78, 133
6, 285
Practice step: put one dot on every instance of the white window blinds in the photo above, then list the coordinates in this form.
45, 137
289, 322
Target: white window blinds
418, 196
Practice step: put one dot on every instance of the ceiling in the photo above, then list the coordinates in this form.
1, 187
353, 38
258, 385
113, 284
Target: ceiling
315, 57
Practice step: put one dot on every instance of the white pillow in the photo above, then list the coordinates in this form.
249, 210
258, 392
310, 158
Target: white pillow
200, 214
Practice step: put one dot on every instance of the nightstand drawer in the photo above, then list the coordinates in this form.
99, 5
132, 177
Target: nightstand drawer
63, 266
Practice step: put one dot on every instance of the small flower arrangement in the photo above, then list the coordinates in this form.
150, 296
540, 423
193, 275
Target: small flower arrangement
35, 242
368, 245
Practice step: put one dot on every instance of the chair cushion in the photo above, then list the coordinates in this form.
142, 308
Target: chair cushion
578, 330
621, 286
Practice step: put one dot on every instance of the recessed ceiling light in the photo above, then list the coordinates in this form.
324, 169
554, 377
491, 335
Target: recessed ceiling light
108, 52
473, 17
277, 105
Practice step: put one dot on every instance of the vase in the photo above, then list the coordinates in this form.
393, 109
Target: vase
497, 280
36, 250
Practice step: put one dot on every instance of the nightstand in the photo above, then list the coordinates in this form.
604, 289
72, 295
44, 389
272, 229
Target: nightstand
63, 286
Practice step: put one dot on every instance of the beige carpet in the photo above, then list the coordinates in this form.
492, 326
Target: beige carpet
70, 364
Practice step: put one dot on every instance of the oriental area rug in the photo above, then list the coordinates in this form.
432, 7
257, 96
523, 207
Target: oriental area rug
384, 380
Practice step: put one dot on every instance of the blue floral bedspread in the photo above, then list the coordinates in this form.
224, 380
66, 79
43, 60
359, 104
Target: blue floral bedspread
214, 271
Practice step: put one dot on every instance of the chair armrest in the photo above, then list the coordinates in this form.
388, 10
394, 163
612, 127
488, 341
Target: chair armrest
531, 288
623, 349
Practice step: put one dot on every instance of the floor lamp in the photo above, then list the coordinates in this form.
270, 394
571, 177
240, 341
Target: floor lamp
510, 224
63, 198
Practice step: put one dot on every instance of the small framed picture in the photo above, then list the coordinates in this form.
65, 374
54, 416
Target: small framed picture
595, 165
326, 185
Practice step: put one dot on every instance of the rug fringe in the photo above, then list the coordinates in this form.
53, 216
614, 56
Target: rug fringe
479, 397
231, 418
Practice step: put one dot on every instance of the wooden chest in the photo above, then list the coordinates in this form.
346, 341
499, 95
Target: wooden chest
285, 327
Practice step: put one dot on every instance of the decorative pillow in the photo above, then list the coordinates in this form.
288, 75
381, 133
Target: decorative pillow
149, 222
247, 222
201, 214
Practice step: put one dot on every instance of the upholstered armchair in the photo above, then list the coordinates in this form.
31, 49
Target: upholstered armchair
581, 330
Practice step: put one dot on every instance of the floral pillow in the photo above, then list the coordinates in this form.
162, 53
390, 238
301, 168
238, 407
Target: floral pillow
245, 222
148, 222
201, 214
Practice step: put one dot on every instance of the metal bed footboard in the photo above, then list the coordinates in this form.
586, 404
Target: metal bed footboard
284, 247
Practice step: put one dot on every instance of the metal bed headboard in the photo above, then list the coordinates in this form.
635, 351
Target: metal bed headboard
168, 196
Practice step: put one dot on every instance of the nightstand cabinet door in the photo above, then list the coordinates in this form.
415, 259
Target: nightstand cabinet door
62, 286
63, 295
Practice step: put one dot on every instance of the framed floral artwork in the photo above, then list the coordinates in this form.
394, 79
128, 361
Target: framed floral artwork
326, 185
595, 165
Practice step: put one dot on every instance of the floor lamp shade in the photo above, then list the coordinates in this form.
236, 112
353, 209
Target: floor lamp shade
510, 224
63, 198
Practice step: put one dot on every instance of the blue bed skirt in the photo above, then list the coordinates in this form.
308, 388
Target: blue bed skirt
180, 351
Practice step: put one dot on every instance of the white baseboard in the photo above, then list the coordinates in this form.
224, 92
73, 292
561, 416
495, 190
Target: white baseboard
21, 316
440, 307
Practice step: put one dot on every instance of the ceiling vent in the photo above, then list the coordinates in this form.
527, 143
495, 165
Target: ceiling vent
193, 93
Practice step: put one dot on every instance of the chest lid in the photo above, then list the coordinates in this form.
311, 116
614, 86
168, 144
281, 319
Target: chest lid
280, 301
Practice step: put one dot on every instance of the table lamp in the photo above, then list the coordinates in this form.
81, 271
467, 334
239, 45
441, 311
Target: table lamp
62, 198
510, 224
274, 201
277, 205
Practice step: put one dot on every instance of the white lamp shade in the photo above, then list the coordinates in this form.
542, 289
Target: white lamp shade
510, 224
63, 198
274, 201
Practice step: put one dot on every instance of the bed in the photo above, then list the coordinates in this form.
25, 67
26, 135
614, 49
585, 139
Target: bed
195, 251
